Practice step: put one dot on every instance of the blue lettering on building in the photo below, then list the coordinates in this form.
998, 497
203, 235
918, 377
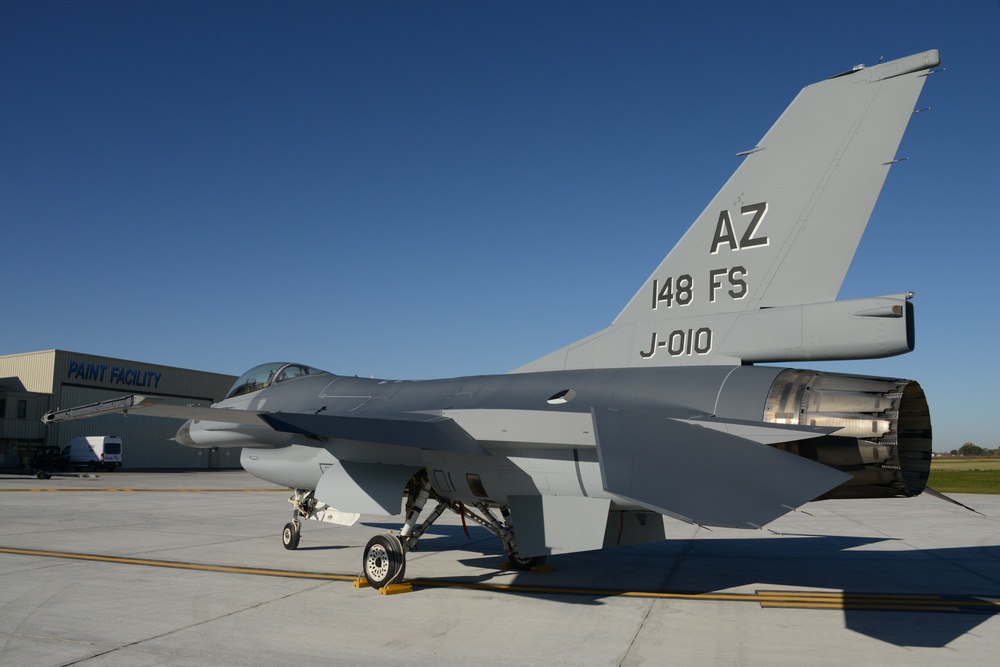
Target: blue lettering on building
118, 375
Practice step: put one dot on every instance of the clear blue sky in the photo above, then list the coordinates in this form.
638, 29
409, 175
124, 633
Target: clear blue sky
428, 189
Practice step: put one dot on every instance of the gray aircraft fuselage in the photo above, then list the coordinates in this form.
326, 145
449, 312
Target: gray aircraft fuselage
533, 431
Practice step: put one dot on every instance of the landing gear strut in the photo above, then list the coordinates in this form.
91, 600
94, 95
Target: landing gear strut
305, 506
504, 529
384, 558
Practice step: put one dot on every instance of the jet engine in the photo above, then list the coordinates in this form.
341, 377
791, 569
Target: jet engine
884, 429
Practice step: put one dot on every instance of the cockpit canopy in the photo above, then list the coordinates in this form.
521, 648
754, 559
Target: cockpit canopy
265, 375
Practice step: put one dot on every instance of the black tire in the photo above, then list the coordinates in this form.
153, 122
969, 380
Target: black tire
41, 475
524, 564
383, 561
290, 536
91, 467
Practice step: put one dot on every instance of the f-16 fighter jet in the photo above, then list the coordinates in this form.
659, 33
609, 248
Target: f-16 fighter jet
666, 414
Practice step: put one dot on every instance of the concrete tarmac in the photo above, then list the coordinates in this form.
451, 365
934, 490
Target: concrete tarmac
188, 569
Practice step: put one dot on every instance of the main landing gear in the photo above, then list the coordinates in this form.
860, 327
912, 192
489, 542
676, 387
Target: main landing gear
384, 559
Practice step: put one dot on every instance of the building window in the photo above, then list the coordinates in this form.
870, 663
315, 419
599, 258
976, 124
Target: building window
22, 409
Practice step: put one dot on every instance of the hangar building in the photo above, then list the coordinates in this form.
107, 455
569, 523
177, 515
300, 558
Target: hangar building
33, 383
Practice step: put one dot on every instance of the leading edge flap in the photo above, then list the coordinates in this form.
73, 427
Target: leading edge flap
701, 475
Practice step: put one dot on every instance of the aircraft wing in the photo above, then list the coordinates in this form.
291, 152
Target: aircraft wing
153, 406
417, 430
703, 475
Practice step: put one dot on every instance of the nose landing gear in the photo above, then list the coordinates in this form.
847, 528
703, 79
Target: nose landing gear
291, 534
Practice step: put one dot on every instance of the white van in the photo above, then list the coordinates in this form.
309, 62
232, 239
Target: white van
94, 452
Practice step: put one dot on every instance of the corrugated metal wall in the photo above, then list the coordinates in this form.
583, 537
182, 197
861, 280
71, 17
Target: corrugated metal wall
30, 426
135, 377
35, 369
145, 440
78, 379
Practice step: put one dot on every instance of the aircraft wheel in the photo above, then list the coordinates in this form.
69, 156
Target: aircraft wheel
525, 564
384, 561
290, 536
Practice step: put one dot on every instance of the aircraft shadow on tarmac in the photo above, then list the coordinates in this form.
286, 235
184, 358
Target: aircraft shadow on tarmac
860, 567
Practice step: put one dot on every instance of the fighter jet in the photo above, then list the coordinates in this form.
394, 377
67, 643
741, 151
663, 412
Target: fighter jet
664, 415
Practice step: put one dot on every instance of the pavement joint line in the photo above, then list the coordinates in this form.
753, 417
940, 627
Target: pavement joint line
987, 604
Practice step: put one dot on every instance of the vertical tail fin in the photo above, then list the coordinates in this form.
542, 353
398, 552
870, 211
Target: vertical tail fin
778, 236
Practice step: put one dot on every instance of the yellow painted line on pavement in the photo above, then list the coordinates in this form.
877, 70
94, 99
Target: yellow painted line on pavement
876, 601
177, 564
56, 490
765, 598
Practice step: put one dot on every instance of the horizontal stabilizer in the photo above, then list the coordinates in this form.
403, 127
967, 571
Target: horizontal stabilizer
764, 433
934, 493
702, 475
418, 430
